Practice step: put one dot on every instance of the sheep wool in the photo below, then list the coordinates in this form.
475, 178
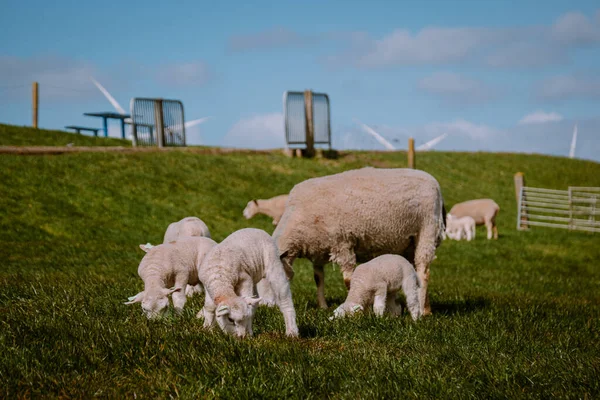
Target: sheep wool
272, 207
483, 211
188, 226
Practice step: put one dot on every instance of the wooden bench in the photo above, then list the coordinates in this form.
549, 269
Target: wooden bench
78, 129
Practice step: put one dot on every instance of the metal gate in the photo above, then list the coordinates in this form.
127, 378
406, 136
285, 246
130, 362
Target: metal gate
157, 122
295, 118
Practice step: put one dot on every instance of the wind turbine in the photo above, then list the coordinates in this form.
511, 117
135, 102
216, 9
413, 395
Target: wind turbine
428, 145
121, 110
376, 135
573, 143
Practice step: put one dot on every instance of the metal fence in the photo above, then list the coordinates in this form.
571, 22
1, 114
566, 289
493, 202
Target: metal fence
157, 122
295, 118
576, 208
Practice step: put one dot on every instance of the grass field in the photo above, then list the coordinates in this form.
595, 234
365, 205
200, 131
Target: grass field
517, 317
11, 135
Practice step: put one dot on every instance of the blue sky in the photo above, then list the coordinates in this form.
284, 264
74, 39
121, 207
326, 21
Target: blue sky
493, 75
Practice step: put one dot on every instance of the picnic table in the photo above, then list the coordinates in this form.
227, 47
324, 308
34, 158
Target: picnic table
78, 129
110, 115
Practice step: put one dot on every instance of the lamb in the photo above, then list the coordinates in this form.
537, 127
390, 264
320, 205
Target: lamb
456, 228
360, 214
272, 207
377, 282
171, 265
230, 273
483, 211
188, 226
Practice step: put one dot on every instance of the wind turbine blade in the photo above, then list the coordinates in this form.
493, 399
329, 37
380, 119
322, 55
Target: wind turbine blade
377, 136
112, 100
573, 143
194, 122
432, 142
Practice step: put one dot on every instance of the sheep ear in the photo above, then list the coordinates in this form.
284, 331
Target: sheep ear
255, 202
253, 301
222, 310
168, 292
135, 299
146, 247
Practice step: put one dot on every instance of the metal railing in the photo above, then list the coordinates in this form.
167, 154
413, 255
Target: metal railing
575, 209
157, 122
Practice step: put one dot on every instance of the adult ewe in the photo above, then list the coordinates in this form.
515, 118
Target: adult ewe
358, 215
272, 207
483, 211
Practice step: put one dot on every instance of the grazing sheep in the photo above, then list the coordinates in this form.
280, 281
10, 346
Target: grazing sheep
456, 228
378, 282
171, 265
272, 207
483, 211
230, 273
188, 226
360, 214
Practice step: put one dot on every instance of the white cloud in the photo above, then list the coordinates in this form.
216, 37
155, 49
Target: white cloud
460, 127
574, 28
184, 74
264, 131
569, 86
540, 117
454, 87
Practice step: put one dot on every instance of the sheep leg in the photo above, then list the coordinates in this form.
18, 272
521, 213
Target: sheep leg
179, 298
319, 275
391, 306
489, 225
380, 301
424, 254
283, 297
495, 229
208, 311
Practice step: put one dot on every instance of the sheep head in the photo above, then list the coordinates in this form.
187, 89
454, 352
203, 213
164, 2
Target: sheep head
234, 315
345, 309
251, 209
155, 302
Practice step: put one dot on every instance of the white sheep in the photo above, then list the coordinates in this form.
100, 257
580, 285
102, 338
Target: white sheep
272, 207
188, 226
166, 269
456, 228
229, 274
360, 214
377, 283
483, 211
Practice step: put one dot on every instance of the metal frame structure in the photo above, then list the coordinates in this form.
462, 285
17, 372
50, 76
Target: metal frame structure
157, 122
575, 209
295, 118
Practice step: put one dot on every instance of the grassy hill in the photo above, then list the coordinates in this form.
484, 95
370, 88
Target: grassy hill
516, 317
11, 135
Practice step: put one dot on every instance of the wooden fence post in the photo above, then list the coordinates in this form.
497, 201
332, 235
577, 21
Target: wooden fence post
36, 91
519, 184
411, 153
310, 134
158, 122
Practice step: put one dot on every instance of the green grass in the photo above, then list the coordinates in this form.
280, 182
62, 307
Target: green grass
11, 135
517, 317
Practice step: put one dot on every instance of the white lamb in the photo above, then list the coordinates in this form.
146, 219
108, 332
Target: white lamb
483, 211
186, 227
171, 265
357, 215
378, 282
456, 228
229, 274
272, 207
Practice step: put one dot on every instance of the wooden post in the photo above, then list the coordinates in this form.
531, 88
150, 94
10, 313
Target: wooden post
519, 184
158, 122
411, 153
310, 133
36, 92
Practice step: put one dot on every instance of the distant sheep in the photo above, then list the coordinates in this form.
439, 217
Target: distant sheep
360, 214
377, 283
167, 269
483, 211
456, 228
272, 207
188, 226
229, 274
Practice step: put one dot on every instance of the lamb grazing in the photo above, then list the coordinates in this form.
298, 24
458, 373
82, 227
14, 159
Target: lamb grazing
230, 273
483, 211
172, 265
272, 207
378, 282
188, 226
360, 214
456, 228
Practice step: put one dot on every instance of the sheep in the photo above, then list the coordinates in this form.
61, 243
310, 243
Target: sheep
456, 228
229, 274
272, 207
171, 265
483, 211
358, 215
377, 282
188, 226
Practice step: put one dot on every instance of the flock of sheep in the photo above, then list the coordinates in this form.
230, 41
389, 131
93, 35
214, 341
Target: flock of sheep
389, 220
